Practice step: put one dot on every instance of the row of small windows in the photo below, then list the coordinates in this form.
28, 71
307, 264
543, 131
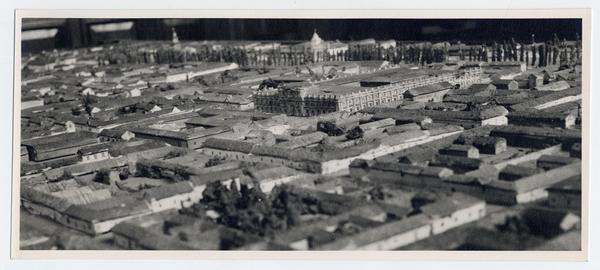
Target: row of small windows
94, 156
378, 99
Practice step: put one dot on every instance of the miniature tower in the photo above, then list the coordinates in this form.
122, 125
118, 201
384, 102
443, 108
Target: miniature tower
174, 38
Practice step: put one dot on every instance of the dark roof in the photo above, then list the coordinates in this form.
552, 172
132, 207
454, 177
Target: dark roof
482, 86
46, 199
129, 230
546, 221
487, 140
94, 148
427, 89
570, 185
531, 103
180, 135
228, 145
273, 151
61, 141
159, 132
502, 82
560, 134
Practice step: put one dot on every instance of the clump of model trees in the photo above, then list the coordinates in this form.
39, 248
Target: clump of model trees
251, 210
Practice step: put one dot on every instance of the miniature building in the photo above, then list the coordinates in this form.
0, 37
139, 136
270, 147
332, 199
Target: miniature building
235, 102
190, 138
554, 86
115, 134
492, 115
460, 150
490, 145
535, 137
57, 146
454, 211
93, 153
477, 90
550, 222
566, 194
314, 100
515, 172
535, 80
542, 119
429, 93
575, 150
548, 162
506, 84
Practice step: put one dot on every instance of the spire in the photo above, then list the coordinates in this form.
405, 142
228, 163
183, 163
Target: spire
174, 38
315, 40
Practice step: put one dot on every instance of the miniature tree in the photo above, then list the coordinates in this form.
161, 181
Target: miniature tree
124, 173
103, 176
422, 198
355, 133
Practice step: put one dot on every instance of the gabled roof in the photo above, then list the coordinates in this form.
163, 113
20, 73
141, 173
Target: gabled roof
112, 208
46, 199
165, 191
65, 140
445, 206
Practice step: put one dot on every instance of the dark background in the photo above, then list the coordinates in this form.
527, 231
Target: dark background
75, 33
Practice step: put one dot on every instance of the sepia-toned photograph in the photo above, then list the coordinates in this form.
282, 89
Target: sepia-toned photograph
300, 134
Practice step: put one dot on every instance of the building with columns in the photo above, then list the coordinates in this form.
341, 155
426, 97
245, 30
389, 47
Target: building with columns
310, 100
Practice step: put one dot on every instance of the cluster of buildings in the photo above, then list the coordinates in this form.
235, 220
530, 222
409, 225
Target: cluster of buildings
292, 53
334, 154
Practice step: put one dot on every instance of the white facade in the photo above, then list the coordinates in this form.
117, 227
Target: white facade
458, 218
93, 157
177, 201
